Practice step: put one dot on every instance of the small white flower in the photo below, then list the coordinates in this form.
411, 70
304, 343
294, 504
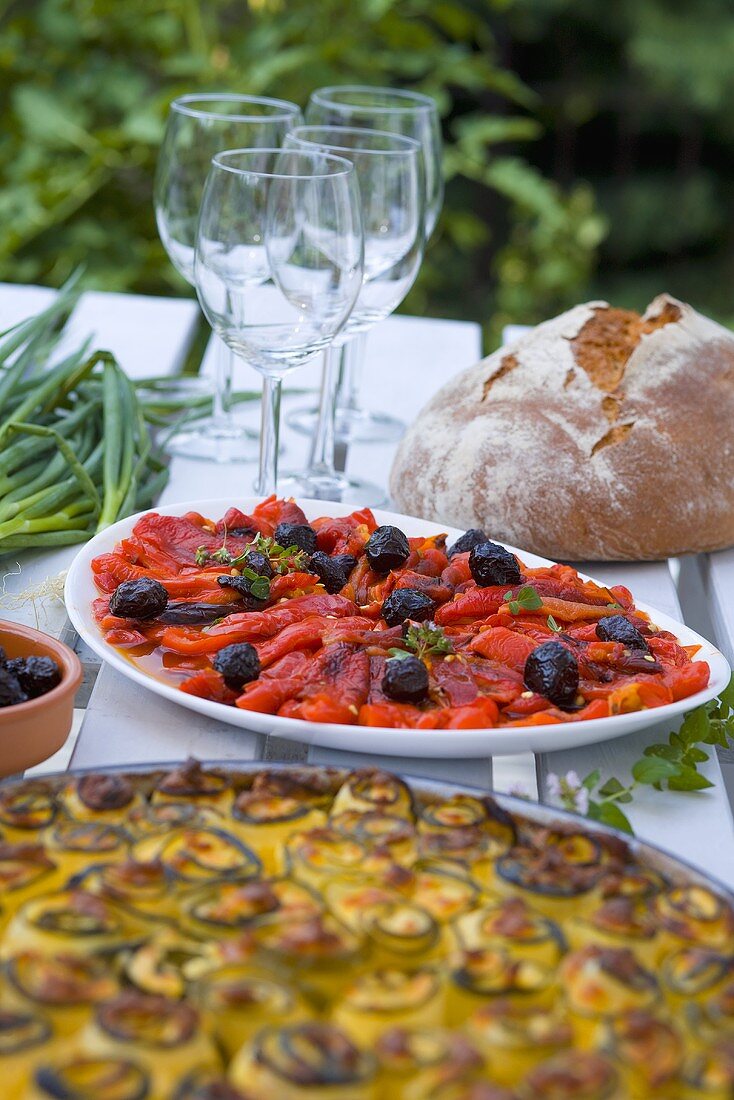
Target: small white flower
553, 785
582, 800
572, 779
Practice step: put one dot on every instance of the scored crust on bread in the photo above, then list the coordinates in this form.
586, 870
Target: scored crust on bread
601, 434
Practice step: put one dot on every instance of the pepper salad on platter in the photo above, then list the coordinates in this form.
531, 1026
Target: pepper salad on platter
339, 620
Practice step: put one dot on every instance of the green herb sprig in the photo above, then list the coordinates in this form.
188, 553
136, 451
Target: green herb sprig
527, 599
283, 559
422, 641
671, 765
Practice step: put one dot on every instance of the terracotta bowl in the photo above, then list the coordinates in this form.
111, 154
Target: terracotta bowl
31, 732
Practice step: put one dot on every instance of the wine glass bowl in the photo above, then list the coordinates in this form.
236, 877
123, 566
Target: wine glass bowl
412, 115
279, 264
389, 171
397, 110
198, 127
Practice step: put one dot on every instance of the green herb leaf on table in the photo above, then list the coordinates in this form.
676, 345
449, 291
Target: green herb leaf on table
672, 766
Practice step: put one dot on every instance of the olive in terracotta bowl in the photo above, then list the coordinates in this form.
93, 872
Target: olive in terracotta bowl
35, 720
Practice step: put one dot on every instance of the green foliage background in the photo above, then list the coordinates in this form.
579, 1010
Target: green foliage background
537, 216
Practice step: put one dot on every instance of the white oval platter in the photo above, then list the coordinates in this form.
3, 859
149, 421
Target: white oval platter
80, 591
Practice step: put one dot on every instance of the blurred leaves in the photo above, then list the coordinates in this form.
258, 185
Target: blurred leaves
86, 89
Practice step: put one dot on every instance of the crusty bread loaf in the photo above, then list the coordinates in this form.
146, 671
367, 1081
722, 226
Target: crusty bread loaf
601, 434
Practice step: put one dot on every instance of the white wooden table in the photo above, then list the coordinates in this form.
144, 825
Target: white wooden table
120, 723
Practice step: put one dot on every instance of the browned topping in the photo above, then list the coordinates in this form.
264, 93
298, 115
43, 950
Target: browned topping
465, 840
724, 1001
618, 962
155, 1021
617, 434
133, 873
25, 853
191, 779
548, 870
257, 897
62, 979
301, 783
606, 342
570, 375
479, 1090
264, 806
622, 915
105, 792
650, 1043
394, 1043
508, 363
512, 918
206, 1085
398, 877
312, 1054
310, 937
573, 1074
28, 806
452, 1050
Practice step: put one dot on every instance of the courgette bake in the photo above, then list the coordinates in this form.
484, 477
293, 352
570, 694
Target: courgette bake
288, 934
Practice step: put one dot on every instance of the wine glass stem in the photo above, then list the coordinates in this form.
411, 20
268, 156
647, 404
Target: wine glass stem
350, 380
321, 458
267, 479
222, 401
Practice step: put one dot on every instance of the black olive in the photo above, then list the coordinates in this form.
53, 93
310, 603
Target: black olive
387, 548
347, 562
242, 532
10, 690
406, 679
615, 628
259, 563
36, 675
296, 534
552, 670
141, 599
407, 603
471, 538
490, 563
238, 664
3, 656
192, 614
243, 587
330, 573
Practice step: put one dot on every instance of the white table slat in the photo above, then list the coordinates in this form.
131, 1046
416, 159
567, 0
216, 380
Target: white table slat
718, 578
697, 825
149, 336
125, 724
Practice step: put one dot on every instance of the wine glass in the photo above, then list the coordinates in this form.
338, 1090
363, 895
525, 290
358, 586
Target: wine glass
200, 125
279, 264
389, 171
413, 115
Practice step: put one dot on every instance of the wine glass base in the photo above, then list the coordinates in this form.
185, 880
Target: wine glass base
339, 487
351, 425
209, 441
